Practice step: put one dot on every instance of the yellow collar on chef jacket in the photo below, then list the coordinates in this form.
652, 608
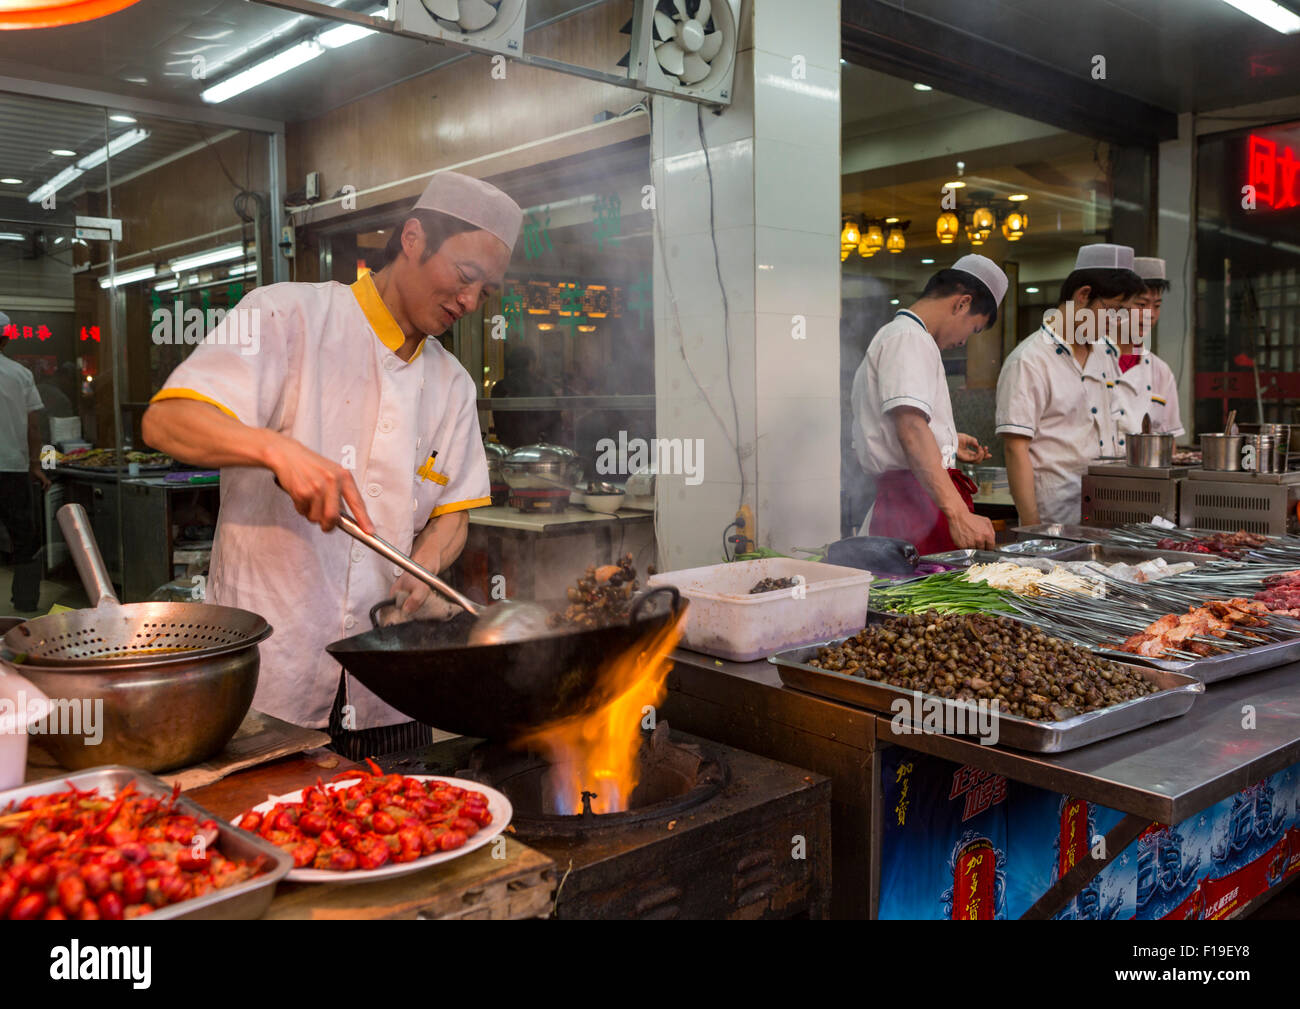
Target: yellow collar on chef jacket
380, 318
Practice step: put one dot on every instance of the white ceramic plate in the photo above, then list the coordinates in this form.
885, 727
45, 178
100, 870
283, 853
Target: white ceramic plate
498, 805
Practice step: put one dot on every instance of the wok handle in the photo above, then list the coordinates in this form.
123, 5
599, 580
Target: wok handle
390, 552
374, 611
75, 524
640, 600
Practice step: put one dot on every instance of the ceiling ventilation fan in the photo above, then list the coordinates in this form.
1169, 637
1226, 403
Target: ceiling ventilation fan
684, 48
495, 25
680, 48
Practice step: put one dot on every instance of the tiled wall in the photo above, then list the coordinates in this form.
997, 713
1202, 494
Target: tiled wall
774, 156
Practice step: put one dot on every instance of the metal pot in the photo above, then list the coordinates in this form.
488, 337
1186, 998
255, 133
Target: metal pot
542, 467
496, 455
1149, 450
1274, 461
1221, 452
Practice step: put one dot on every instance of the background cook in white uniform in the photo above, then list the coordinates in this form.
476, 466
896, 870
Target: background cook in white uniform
1149, 387
386, 417
902, 367
1065, 409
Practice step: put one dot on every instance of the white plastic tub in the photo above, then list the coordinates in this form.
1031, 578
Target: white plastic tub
724, 620
21, 702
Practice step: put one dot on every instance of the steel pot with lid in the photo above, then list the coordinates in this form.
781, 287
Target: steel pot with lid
496, 455
541, 467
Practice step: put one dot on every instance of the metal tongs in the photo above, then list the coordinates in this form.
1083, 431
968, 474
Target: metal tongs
495, 625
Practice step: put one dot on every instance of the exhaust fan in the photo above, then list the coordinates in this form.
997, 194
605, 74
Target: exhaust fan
684, 48
495, 25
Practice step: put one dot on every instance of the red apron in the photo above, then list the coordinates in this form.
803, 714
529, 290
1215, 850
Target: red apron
904, 510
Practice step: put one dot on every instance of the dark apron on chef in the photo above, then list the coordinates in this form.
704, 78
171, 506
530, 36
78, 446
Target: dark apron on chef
904, 510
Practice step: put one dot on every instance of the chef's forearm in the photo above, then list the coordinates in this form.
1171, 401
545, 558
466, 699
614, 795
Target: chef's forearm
923, 458
1020, 475
441, 541
201, 435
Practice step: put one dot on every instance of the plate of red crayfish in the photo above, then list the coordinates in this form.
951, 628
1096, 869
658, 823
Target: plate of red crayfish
365, 825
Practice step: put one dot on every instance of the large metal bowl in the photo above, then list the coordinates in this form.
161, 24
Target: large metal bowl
157, 717
541, 467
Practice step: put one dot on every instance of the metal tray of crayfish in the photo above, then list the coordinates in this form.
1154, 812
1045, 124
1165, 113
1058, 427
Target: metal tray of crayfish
1177, 692
245, 900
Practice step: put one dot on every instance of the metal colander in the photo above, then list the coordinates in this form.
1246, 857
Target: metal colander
138, 633
134, 633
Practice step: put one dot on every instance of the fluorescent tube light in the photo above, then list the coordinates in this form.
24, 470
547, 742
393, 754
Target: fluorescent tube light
128, 277
11, 236
55, 184
167, 285
113, 148
199, 260
260, 73
1267, 12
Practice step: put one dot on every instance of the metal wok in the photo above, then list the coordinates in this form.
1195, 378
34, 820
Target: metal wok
428, 671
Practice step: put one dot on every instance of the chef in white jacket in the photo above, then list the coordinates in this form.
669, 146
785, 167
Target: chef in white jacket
903, 428
336, 393
1146, 385
1054, 408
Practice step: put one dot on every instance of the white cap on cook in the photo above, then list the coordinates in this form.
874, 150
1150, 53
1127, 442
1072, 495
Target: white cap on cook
986, 272
1103, 256
1149, 268
475, 202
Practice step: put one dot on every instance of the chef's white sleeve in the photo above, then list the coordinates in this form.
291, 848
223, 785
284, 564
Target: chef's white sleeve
461, 460
902, 375
1021, 398
241, 365
32, 397
1164, 392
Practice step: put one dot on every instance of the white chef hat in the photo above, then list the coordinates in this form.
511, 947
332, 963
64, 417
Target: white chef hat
1149, 268
1104, 257
4, 320
474, 202
986, 272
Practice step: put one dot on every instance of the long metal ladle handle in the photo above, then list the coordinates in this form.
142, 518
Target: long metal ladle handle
390, 552
75, 524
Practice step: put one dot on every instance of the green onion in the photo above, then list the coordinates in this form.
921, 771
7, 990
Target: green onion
948, 592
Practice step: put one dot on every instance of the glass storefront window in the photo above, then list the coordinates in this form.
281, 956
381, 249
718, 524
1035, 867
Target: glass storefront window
86, 309
1248, 276
1023, 193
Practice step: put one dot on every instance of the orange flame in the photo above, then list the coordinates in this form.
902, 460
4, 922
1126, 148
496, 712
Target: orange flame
596, 749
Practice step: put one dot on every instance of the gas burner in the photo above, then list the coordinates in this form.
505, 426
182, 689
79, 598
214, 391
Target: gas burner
539, 500
708, 834
674, 777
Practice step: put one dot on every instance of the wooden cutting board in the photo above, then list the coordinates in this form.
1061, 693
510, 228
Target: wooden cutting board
259, 739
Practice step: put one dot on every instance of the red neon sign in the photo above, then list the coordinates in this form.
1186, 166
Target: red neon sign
15, 332
1274, 174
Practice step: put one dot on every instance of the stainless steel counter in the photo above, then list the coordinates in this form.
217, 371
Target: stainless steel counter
1164, 772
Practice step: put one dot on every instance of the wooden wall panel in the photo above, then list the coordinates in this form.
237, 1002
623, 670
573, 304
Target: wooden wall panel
460, 112
189, 196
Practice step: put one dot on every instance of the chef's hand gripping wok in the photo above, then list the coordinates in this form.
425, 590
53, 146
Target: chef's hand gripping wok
432, 672
493, 625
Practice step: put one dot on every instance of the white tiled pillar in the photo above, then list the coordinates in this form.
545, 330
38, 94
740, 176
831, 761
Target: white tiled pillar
775, 161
